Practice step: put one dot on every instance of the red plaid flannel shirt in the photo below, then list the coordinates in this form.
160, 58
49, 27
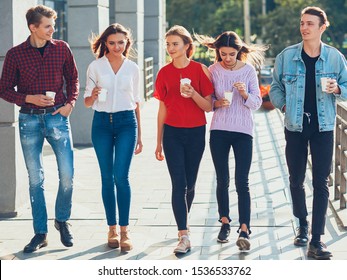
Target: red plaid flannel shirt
25, 68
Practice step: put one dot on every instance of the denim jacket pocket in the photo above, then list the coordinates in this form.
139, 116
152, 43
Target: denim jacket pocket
290, 81
329, 75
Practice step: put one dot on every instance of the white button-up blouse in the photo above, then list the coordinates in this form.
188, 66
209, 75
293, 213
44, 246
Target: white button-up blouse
123, 90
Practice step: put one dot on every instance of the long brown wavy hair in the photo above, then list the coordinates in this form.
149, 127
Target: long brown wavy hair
253, 54
98, 42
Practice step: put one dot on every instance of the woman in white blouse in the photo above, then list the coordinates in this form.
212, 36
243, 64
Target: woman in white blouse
112, 90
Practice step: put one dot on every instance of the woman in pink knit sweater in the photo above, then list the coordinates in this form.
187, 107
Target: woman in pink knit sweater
236, 94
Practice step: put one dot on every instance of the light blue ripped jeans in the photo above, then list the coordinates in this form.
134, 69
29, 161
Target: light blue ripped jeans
56, 130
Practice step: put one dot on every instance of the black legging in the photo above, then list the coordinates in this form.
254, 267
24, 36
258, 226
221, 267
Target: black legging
183, 148
220, 145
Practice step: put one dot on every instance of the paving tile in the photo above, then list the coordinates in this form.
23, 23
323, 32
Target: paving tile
153, 229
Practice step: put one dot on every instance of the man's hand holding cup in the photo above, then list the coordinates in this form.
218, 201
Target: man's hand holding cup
329, 85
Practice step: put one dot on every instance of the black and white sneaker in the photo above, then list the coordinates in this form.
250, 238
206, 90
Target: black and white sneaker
243, 241
223, 236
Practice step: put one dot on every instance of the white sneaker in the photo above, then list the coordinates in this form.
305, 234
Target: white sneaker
183, 245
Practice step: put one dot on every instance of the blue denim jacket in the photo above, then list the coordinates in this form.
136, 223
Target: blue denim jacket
288, 86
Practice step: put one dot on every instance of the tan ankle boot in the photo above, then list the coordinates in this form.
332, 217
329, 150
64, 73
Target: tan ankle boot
113, 238
125, 243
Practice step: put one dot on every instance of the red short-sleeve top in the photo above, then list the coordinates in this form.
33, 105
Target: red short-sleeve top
182, 112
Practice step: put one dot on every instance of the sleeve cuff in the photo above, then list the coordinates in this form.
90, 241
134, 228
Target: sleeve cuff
213, 108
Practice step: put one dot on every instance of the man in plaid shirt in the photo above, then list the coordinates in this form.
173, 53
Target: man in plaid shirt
39, 65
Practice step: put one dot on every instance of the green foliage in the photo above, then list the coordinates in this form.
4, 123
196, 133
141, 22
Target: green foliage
227, 16
212, 17
281, 28
203, 55
281, 25
192, 14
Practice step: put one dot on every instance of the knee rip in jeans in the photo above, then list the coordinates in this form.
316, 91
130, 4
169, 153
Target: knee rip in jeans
66, 180
57, 134
67, 189
36, 184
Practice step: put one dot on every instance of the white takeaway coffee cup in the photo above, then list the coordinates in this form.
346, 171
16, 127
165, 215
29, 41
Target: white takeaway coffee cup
324, 82
184, 81
229, 96
50, 94
102, 95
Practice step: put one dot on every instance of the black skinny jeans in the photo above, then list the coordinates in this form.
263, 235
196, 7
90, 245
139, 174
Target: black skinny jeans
321, 146
183, 148
242, 144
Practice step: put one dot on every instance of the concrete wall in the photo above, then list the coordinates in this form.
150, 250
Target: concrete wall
154, 31
97, 13
130, 13
14, 186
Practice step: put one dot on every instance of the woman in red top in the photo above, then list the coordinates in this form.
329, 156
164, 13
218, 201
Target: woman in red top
182, 122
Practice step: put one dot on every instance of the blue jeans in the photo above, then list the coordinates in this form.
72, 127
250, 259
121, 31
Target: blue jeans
183, 148
56, 130
114, 136
220, 144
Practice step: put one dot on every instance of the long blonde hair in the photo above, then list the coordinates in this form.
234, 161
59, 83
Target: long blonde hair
253, 54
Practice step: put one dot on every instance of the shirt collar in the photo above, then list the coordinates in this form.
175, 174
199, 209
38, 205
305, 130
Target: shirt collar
27, 44
297, 55
323, 51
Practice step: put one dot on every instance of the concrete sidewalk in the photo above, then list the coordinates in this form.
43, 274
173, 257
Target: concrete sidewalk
152, 225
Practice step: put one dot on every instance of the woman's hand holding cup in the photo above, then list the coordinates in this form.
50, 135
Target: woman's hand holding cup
99, 93
186, 89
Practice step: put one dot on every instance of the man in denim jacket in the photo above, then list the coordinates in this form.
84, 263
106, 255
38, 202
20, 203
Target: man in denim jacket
310, 112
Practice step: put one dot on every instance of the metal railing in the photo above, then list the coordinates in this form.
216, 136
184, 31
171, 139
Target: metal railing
340, 179
148, 79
